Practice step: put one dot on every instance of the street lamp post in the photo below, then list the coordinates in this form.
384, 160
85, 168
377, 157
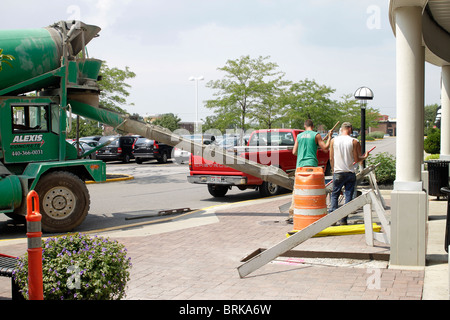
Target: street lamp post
363, 94
196, 79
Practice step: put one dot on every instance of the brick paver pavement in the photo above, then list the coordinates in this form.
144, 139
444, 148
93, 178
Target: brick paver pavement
200, 263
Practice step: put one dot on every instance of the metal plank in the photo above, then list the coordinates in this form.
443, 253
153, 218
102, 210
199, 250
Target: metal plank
368, 224
270, 254
381, 216
210, 152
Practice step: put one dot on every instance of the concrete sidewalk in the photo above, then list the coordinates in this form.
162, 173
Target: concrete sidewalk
195, 257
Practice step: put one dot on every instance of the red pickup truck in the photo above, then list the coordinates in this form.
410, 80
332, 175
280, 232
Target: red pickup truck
268, 147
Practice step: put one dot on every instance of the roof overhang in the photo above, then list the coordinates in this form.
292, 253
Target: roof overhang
435, 27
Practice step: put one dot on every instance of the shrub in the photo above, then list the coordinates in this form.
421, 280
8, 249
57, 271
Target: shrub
376, 134
78, 267
432, 143
432, 157
385, 172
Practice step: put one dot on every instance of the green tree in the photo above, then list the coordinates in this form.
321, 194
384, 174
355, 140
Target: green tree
114, 91
307, 99
351, 112
169, 121
430, 117
5, 58
114, 88
242, 88
218, 122
272, 102
87, 128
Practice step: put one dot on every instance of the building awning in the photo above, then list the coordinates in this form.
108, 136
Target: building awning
435, 27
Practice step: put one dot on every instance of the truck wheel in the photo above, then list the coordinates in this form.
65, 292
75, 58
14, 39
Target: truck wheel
217, 191
268, 189
64, 201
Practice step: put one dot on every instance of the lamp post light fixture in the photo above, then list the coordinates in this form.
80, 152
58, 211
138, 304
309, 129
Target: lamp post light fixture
196, 79
363, 94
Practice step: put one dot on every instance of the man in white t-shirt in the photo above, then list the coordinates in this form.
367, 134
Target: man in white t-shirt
345, 152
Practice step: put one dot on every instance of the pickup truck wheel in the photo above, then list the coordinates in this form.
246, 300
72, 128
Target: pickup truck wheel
63, 200
268, 189
217, 191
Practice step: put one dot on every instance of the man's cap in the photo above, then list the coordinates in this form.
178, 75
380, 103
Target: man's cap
346, 125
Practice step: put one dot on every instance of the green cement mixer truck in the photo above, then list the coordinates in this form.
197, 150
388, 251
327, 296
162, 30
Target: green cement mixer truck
52, 63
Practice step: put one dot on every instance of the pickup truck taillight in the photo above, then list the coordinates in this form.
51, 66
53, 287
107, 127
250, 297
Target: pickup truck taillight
119, 150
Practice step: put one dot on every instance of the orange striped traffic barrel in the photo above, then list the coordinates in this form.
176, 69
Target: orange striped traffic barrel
310, 202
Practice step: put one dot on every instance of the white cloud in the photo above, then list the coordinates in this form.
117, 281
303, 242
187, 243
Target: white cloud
105, 13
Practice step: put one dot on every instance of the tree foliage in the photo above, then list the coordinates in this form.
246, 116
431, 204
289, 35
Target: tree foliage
351, 111
430, 117
309, 100
87, 128
5, 58
169, 121
244, 86
255, 91
114, 91
114, 88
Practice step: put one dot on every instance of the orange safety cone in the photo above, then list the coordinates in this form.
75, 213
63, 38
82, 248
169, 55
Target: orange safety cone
310, 202
34, 235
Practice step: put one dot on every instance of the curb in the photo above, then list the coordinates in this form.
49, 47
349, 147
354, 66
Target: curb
123, 177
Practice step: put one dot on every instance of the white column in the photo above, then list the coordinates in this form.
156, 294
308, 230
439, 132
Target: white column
445, 109
408, 200
410, 102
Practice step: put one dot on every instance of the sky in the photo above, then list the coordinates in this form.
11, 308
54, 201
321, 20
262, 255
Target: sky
343, 44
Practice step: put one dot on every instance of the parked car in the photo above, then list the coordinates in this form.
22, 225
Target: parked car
87, 145
146, 149
121, 148
181, 156
96, 138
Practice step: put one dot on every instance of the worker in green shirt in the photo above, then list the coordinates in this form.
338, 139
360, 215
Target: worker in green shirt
305, 148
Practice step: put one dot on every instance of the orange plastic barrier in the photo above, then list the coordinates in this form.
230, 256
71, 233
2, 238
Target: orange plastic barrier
34, 235
310, 202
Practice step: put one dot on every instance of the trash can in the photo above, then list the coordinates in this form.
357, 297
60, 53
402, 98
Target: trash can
438, 177
447, 224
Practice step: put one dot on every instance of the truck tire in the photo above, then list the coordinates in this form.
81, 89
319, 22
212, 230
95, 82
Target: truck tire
63, 200
217, 191
268, 189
